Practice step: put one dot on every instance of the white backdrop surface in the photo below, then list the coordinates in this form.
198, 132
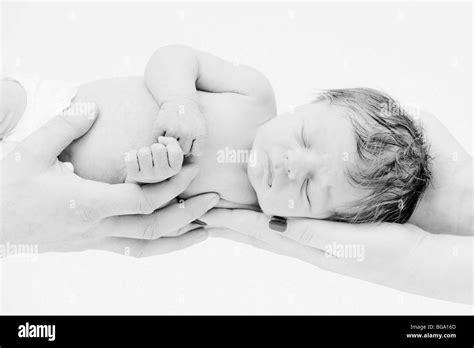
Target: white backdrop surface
420, 53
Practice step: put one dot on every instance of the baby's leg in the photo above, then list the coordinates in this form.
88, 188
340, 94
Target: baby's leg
156, 163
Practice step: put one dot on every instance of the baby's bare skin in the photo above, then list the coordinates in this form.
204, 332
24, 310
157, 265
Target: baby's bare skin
127, 115
155, 163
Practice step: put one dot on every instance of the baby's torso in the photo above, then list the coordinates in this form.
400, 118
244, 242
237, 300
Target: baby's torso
127, 113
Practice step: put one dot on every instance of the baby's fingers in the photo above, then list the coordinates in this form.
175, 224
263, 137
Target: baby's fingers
131, 163
175, 154
160, 158
145, 160
185, 142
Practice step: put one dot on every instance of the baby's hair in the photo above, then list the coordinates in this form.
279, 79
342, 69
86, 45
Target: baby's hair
393, 164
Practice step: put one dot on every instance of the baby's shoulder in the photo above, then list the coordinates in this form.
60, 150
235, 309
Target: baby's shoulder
237, 110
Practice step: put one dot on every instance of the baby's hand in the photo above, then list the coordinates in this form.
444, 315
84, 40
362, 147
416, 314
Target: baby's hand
156, 163
183, 121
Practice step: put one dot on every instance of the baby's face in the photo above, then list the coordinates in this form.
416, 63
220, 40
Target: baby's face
301, 161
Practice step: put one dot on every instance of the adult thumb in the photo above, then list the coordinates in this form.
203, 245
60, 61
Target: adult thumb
52, 138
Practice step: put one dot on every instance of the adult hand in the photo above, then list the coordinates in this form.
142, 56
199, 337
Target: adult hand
399, 256
44, 203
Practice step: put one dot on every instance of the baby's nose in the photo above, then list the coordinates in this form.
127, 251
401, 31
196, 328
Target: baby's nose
299, 163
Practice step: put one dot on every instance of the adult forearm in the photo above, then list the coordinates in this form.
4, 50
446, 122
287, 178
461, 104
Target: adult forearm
442, 267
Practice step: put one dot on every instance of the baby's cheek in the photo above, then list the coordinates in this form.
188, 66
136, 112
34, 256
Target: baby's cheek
283, 205
273, 203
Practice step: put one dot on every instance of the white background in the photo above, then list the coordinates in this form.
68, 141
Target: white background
420, 53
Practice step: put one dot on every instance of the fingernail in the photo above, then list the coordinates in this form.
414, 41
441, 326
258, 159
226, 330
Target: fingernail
199, 222
278, 223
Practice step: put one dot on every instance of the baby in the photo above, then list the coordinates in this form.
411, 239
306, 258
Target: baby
351, 155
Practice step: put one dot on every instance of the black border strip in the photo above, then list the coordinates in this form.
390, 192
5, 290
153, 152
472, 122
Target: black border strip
287, 330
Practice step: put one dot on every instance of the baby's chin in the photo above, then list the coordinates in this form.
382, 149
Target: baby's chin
268, 211
255, 171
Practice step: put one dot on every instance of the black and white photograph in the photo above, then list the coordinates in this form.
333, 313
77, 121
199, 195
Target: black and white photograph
270, 158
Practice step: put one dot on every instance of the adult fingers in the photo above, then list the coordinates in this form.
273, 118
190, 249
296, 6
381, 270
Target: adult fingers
242, 220
132, 247
127, 199
321, 234
311, 232
51, 139
253, 225
169, 244
225, 233
276, 243
185, 229
162, 222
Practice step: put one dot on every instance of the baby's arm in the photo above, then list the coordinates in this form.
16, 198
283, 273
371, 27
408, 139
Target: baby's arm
153, 164
174, 74
12, 105
177, 72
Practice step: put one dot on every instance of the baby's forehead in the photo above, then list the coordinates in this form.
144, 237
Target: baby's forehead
324, 110
328, 121
332, 136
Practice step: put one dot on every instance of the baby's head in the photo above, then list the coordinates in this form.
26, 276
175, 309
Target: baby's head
352, 155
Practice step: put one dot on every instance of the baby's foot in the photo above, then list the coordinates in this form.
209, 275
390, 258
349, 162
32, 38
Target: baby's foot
155, 163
